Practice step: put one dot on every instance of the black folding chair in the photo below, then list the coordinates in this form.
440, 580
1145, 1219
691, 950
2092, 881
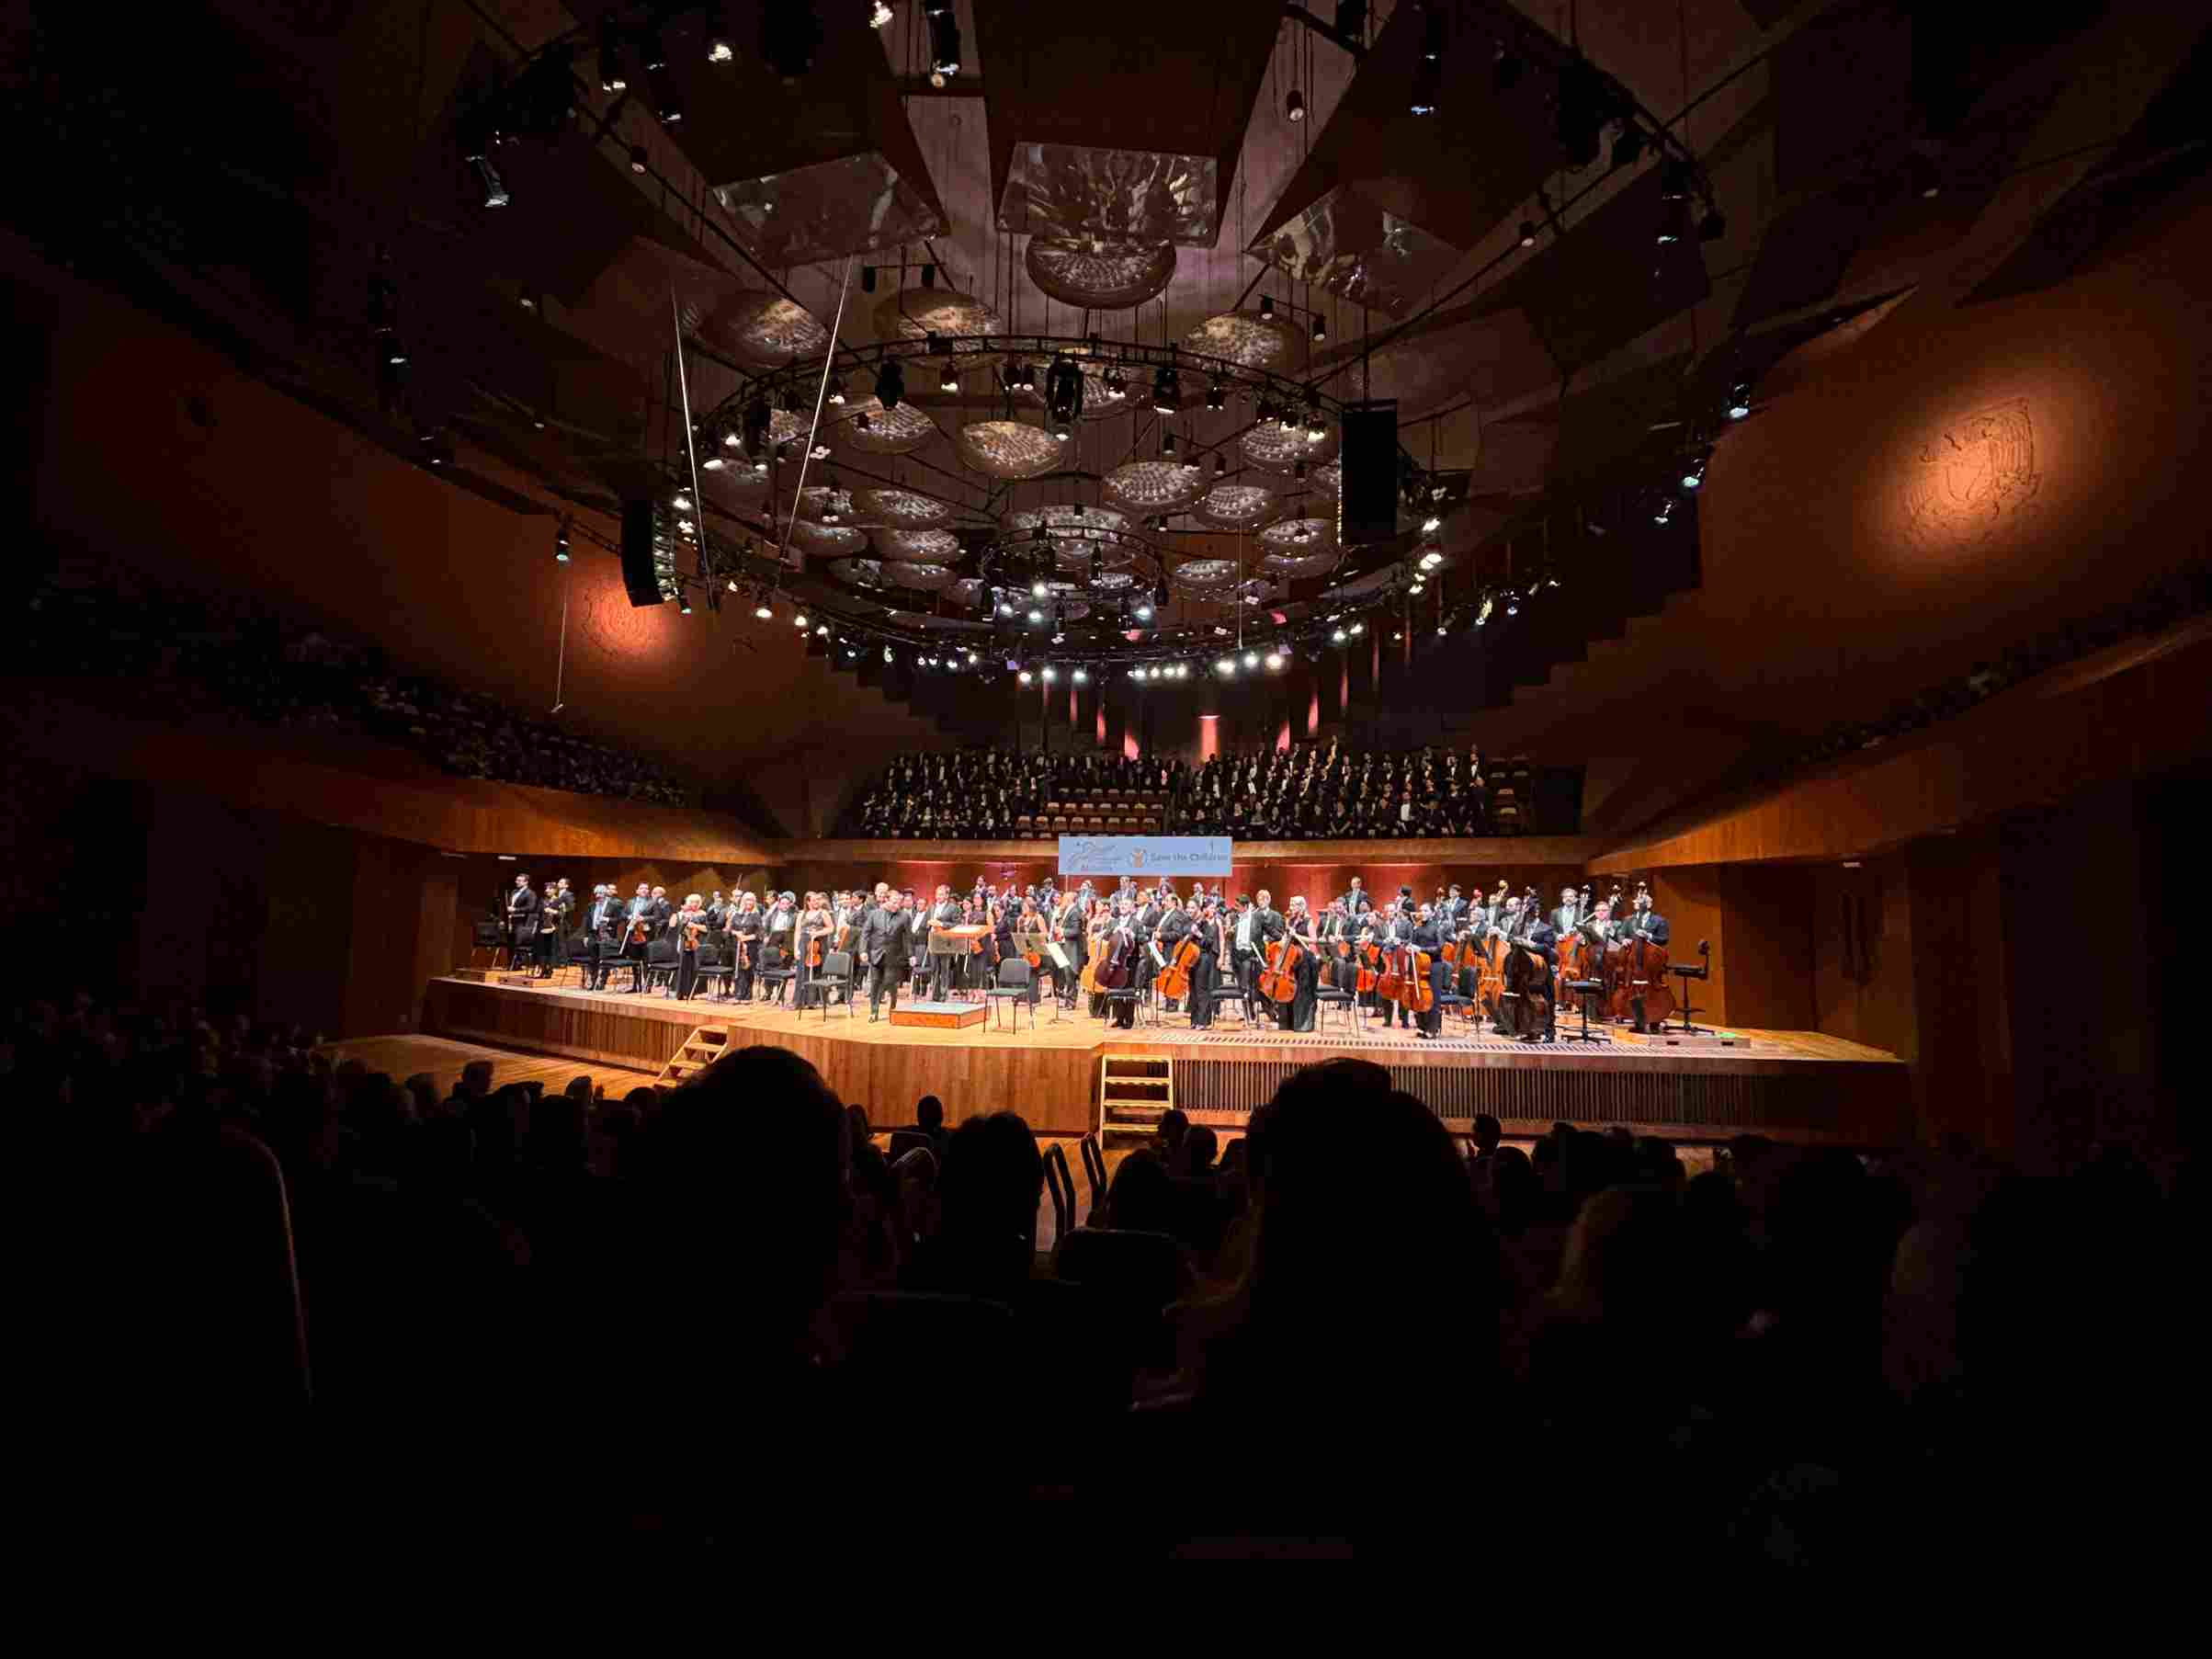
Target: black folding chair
774, 974
836, 975
1014, 987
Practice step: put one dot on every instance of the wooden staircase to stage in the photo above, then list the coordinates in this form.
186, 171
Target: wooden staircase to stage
698, 1050
1135, 1092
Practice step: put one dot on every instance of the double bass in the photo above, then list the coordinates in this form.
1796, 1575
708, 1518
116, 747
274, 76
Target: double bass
1525, 1009
1279, 979
1642, 970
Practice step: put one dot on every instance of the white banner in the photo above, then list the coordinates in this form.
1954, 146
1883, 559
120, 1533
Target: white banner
1147, 858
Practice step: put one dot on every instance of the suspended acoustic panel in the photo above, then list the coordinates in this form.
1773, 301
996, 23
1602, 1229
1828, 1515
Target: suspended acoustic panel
860, 572
766, 330
1202, 575
919, 547
1273, 448
854, 205
1359, 250
1075, 517
1250, 340
1099, 276
902, 509
1154, 486
915, 314
925, 578
871, 429
826, 540
1078, 192
1008, 449
1298, 538
1239, 507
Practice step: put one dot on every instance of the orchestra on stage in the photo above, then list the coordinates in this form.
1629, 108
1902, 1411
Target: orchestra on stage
1504, 961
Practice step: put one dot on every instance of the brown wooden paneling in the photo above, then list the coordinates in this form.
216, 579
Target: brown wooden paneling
1767, 920
2131, 711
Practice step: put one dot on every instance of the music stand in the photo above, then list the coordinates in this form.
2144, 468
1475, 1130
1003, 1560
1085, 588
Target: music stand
1686, 973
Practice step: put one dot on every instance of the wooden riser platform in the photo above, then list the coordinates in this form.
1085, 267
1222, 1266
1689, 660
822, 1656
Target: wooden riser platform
1799, 1084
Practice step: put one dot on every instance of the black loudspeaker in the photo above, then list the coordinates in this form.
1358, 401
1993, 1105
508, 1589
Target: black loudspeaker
1368, 504
640, 574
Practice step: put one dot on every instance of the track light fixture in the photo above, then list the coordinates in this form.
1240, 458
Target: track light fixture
1693, 472
1167, 440
1739, 400
1294, 105
1428, 74
1320, 329
659, 86
1217, 395
1267, 306
1674, 221
560, 543
891, 384
637, 158
1629, 144
1063, 394
879, 13
837, 391
943, 42
611, 77
1167, 390
1220, 465
949, 379
756, 421
1528, 232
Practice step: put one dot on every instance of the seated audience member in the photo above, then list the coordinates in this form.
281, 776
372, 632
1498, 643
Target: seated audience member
988, 1191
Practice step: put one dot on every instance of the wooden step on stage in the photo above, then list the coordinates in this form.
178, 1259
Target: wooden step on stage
1071, 1075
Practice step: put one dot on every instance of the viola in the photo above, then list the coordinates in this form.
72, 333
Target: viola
1279, 980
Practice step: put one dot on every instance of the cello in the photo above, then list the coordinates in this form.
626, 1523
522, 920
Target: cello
1390, 984
1419, 995
1174, 979
1115, 974
1279, 979
1527, 1006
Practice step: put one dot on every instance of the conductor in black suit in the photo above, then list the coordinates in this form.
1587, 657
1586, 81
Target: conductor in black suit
886, 940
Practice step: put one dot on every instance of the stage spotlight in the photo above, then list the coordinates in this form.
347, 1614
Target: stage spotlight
1267, 306
1430, 560
1037, 590
1220, 465
1079, 677
1316, 428
1051, 675
1431, 524
1004, 609
1167, 390
637, 158
1665, 512
879, 13
1294, 105
1225, 667
1037, 618
766, 612
836, 393
891, 384
721, 48
560, 543
1693, 472
1674, 221
1417, 587
682, 502
1320, 329
1063, 392
1144, 610
1528, 232
800, 621
1739, 400
1359, 629
1339, 636
1442, 631
1167, 441
711, 461
1023, 677
1252, 659
1274, 661
949, 379
1629, 144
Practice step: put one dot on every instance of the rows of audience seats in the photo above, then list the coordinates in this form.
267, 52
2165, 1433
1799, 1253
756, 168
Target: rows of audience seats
164, 651
1312, 791
334, 1311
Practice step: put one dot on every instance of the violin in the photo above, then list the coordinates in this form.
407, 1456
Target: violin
1279, 980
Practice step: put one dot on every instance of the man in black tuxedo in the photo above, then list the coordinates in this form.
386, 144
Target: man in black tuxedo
522, 920
1356, 902
1069, 924
602, 933
1569, 916
886, 941
1175, 927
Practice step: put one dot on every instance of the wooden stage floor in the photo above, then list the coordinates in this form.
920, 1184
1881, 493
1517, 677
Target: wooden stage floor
1798, 1083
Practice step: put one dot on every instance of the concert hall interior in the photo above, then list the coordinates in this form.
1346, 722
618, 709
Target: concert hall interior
1478, 641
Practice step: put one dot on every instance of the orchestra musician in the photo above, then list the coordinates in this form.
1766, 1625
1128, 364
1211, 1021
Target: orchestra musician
523, 905
1257, 929
1569, 914
602, 934
742, 933
637, 930
1297, 1015
1069, 924
945, 970
1645, 924
1175, 925
815, 925
1356, 902
779, 933
1399, 936
690, 923
1428, 935
1029, 939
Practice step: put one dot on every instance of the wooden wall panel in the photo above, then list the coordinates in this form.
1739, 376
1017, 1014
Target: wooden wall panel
1861, 934
1690, 900
1767, 919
